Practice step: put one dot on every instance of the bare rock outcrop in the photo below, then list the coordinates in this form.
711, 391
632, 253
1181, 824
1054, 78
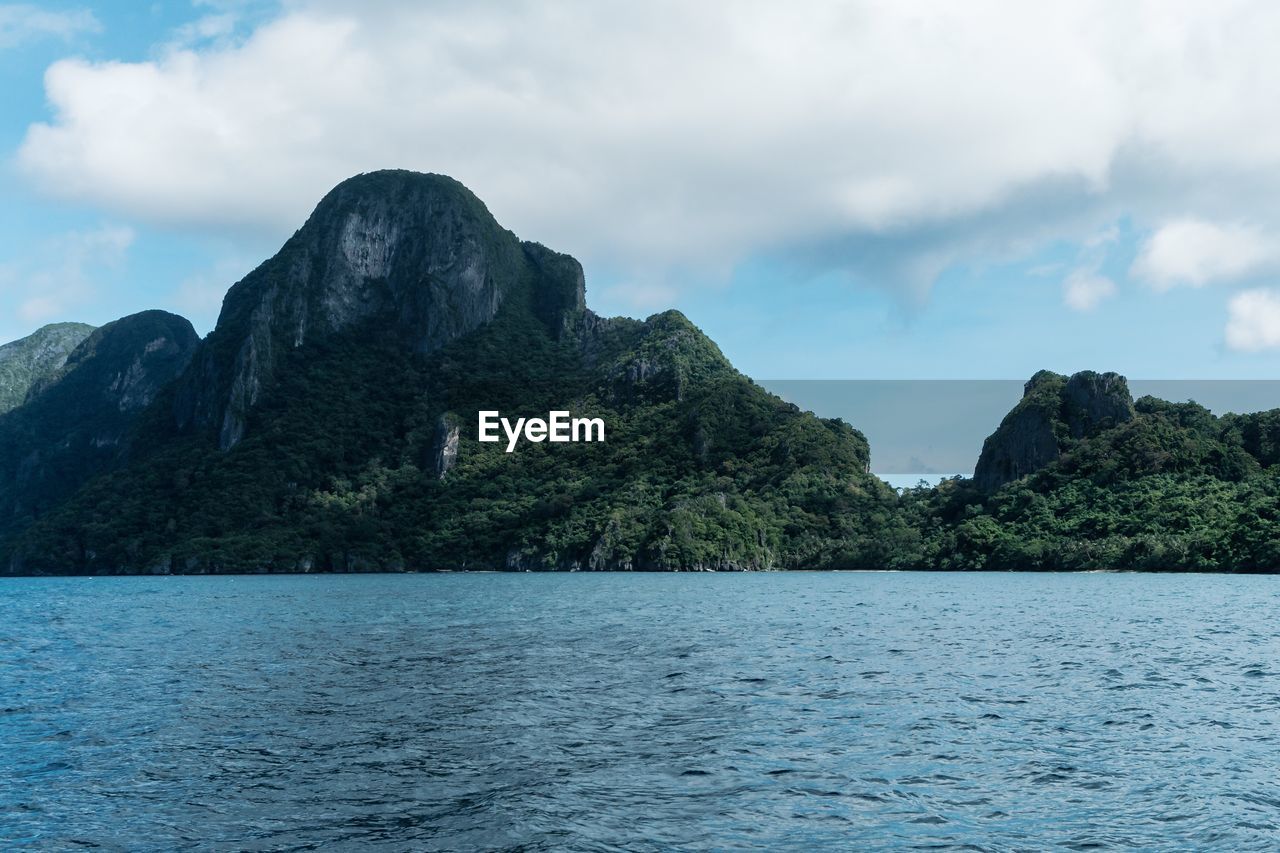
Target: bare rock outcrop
415, 257
1055, 411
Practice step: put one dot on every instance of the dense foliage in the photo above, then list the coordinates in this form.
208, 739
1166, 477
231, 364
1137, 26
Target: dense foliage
79, 420
26, 363
341, 470
700, 468
329, 423
1174, 489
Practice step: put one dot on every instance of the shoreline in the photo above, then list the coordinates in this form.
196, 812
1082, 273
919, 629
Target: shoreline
651, 572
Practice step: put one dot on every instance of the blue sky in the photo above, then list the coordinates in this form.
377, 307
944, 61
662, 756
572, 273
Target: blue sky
865, 191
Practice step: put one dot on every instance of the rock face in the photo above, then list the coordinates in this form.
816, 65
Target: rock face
33, 359
78, 422
446, 445
561, 297
1096, 401
401, 254
1055, 411
125, 364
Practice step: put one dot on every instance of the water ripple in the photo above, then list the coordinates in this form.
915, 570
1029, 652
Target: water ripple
647, 712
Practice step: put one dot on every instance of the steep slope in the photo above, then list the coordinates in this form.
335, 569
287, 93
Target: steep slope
330, 423
1055, 412
79, 421
1148, 485
27, 362
417, 257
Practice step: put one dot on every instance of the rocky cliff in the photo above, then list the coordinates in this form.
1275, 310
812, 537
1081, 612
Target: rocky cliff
35, 358
1055, 411
412, 257
78, 421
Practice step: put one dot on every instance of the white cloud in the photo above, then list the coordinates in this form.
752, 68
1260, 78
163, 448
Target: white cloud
20, 22
1194, 252
885, 138
59, 275
201, 295
198, 297
37, 309
1046, 269
1084, 289
1103, 239
1253, 320
204, 29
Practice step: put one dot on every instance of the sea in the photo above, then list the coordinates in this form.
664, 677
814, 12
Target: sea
594, 712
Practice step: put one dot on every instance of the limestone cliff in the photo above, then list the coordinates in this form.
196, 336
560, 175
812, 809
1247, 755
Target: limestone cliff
415, 258
1055, 411
445, 448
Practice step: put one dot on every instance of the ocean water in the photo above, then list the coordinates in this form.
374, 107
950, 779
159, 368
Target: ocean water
640, 712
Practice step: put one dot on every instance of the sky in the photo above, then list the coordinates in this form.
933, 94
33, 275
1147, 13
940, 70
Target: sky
864, 190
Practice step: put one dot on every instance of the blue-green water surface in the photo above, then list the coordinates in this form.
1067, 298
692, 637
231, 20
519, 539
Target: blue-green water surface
640, 712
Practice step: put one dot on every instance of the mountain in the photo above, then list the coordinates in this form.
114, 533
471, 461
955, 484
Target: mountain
1055, 413
1080, 476
79, 420
415, 259
330, 422
27, 362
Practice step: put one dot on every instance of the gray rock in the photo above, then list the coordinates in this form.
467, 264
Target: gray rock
1095, 401
1054, 413
416, 257
1024, 443
446, 445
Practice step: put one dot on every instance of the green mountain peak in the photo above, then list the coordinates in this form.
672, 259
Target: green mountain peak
27, 362
331, 421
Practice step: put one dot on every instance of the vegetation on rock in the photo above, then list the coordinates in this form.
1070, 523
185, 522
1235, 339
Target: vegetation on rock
1171, 488
80, 420
26, 363
337, 462
329, 423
